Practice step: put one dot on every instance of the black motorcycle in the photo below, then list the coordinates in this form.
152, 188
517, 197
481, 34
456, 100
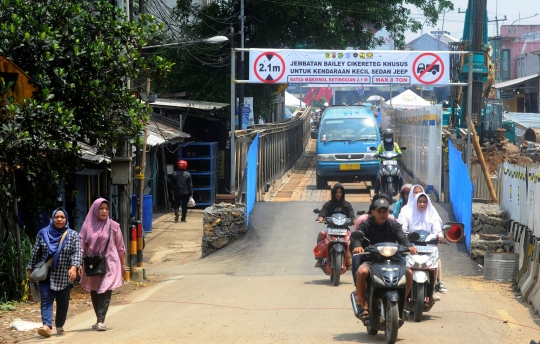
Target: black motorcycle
386, 288
389, 172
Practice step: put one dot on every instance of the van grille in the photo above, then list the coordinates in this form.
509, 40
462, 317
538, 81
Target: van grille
349, 156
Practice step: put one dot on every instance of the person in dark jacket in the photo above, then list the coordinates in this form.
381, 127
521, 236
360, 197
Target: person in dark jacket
377, 228
336, 205
182, 189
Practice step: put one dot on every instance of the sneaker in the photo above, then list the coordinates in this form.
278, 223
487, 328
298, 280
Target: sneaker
94, 327
441, 288
184, 220
436, 297
60, 331
176, 216
101, 327
318, 264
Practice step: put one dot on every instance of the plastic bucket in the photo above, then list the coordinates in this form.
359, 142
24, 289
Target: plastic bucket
502, 265
147, 213
455, 234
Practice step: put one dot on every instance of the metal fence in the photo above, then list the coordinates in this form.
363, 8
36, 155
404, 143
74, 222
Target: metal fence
280, 145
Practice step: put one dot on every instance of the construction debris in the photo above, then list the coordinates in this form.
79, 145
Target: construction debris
223, 223
494, 156
489, 231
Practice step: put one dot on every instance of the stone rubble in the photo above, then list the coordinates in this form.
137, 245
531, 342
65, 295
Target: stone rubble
489, 231
223, 223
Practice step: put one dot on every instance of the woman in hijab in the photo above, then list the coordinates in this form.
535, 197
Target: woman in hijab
425, 217
95, 232
61, 244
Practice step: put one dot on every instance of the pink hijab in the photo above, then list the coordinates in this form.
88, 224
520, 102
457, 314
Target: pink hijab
93, 224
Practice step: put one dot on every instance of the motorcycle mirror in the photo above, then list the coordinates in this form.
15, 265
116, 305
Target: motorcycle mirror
357, 235
360, 212
373, 148
414, 236
316, 210
446, 228
403, 148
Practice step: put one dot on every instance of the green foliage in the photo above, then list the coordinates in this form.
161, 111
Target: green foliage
305, 24
9, 286
79, 55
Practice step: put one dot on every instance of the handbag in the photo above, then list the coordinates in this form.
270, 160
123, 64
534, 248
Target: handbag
95, 265
41, 269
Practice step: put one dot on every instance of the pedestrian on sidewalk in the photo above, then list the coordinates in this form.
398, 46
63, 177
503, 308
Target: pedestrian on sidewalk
101, 235
61, 245
182, 189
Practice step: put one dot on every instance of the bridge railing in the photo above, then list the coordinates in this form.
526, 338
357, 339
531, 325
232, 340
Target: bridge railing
280, 145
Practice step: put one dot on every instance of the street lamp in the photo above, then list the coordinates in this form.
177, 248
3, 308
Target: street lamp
523, 18
211, 40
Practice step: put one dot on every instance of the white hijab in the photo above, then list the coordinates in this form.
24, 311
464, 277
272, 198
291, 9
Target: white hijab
406, 210
428, 220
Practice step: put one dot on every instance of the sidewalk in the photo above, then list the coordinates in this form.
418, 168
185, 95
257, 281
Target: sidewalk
172, 243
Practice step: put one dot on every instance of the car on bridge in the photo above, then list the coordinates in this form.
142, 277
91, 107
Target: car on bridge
346, 135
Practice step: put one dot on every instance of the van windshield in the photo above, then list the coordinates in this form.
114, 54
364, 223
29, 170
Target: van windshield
348, 129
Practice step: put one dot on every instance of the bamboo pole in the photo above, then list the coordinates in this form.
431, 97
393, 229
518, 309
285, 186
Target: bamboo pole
483, 165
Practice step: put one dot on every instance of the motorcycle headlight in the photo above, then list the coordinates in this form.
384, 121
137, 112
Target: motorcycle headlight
385, 172
325, 157
387, 251
394, 171
339, 222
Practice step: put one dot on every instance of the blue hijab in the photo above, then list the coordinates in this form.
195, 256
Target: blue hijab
52, 236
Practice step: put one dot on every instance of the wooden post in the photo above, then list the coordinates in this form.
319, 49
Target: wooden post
483, 165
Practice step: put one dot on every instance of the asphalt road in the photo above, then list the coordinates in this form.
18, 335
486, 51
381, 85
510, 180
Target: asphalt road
263, 288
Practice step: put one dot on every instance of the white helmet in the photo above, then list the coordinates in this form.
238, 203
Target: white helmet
325, 103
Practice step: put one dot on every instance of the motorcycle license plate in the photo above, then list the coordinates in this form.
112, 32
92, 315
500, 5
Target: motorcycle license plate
348, 167
389, 162
337, 231
425, 249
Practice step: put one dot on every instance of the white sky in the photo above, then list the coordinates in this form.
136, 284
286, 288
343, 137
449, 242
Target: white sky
453, 21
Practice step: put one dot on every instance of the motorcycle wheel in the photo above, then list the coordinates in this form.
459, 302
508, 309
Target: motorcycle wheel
337, 263
419, 303
390, 187
392, 322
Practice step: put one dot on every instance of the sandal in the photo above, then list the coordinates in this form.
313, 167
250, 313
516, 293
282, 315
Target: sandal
94, 327
364, 314
44, 331
101, 327
60, 331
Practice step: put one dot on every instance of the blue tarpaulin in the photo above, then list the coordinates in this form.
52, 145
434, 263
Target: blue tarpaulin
461, 191
251, 176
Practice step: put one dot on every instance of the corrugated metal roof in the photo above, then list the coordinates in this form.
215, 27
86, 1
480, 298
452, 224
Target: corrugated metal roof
160, 133
89, 154
523, 121
515, 81
161, 102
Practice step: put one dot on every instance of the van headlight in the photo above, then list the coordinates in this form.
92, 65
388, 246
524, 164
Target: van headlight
369, 156
325, 157
387, 251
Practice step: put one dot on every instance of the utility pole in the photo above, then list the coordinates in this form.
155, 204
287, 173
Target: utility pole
241, 69
232, 187
497, 21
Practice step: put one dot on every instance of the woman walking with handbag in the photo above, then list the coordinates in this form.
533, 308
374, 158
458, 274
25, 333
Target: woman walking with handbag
104, 258
54, 262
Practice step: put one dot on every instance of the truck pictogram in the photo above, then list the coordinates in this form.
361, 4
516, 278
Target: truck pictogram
421, 67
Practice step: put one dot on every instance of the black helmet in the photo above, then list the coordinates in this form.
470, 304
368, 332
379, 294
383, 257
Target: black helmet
388, 134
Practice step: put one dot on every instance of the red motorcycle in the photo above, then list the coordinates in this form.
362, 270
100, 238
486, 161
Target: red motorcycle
334, 248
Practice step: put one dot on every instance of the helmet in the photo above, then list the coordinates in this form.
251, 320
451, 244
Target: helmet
182, 165
388, 134
326, 104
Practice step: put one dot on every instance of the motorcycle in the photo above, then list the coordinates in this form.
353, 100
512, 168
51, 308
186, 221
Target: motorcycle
389, 172
386, 288
424, 268
334, 247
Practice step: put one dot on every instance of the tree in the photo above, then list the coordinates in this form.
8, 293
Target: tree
306, 24
79, 54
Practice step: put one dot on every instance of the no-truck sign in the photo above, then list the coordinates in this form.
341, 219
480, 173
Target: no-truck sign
348, 67
428, 68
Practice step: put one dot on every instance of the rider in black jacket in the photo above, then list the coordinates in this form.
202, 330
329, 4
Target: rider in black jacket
378, 228
182, 189
336, 205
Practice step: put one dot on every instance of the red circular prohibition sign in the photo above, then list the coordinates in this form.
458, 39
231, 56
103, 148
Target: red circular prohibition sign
257, 74
418, 77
